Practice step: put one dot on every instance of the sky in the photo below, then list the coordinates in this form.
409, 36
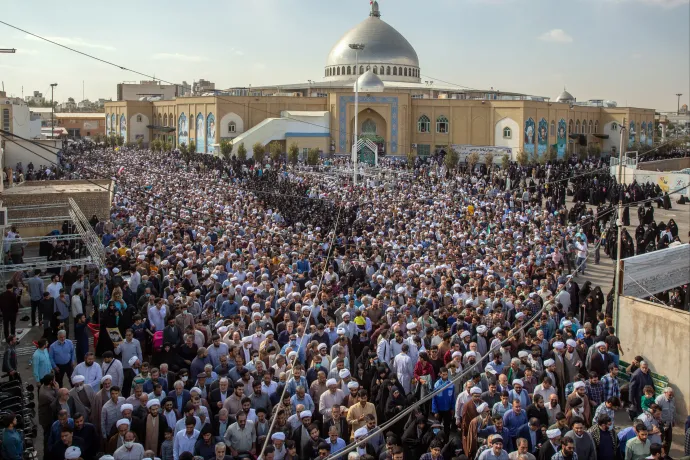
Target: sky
635, 52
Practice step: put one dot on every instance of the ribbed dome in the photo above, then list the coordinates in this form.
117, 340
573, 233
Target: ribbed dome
385, 50
565, 96
370, 83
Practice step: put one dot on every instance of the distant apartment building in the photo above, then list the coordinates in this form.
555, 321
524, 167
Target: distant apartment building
131, 91
35, 99
202, 86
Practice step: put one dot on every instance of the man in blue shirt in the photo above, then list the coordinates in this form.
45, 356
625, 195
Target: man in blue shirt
497, 428
62, 357
513, 419
336, 443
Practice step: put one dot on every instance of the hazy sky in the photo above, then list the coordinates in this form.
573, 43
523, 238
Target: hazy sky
635, 52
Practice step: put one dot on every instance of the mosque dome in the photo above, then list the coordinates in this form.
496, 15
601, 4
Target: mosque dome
386, 53
565, 96
369, 83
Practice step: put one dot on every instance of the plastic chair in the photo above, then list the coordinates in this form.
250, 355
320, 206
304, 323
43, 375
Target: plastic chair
95, 331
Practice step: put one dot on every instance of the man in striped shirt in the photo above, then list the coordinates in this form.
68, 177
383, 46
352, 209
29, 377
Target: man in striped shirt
111, 411
610, 383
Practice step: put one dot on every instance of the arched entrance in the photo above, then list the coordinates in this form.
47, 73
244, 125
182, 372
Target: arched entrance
374, 127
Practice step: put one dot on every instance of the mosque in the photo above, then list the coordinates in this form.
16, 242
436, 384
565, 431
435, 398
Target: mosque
397, 111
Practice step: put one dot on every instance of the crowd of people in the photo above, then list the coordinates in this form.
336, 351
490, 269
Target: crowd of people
282, 313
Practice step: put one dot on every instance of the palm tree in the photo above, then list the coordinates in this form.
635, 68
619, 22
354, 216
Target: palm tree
522, 157
192, 147
489, 158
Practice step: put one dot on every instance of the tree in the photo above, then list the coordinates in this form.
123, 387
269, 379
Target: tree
594, 150
534, 157
259, 152
551, 153
167, 146
113, 140
120, 141
226, 149
313, 157
522, 157
140, 142
410, 159
293, 154
489, 160
451, 159
472, 160
242, 152
505, 161
98, 138
192, 147
581, 152
184, 149
276, 150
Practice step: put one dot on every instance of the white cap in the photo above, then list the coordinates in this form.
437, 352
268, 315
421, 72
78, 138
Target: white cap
553, 434
133, 360
496, 330
571, 343
116, 270
78, 379
464, 334
519, 315
72, 453
481, 329
412, 325
331, 382
549, 362
482, 407
195, 390
122, 421
577, 385
152, 402
518, 382
523, 354
106, 377
475, 391
353, 385
567, 323
361, 432
347, 313
223, 329
456, 354
344, 373
600, 344
470, 353
279, 436
247, 340
305, 413
340, 331
322, 346
558, 345
125, 407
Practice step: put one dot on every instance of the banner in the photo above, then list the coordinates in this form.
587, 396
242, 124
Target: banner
561, 143
542, 137
529, 137
650, 133
631, 134
643, 133
123, 127
482, 151
107, 124
657, 271
200, 134
210, 132
182, 130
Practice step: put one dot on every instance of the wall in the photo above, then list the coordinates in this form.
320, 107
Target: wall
660, 335
321, 143
672, 164
15, 153
88, 127
667, 181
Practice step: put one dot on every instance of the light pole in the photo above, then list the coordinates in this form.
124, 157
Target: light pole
619, 222
679, 95
357, 47
52, 111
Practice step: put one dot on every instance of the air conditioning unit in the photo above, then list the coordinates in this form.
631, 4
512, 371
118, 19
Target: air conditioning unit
3, 216
414, 146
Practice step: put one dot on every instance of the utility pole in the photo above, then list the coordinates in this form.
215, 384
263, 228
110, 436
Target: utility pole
679, 95
619, 223
8, 50
52, 111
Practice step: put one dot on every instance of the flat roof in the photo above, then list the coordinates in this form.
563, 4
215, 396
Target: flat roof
59, 188
46, 110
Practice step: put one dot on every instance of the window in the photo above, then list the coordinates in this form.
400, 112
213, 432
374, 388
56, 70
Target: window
553, 128
361, 69
369, 127
338, 70
424, 124
388, 70
382, 70
138, 118
442, 124
368, 68
614, 126
423, 150
343, 70
596, 127
405, 70
349, 70
570, 127
400, 71
395, 71
590, 129
577, 127
376, 70
232, 127
507, 133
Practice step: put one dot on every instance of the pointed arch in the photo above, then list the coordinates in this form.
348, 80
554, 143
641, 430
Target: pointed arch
424, 124
442, 124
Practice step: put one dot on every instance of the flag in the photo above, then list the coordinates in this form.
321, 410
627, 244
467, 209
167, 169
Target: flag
121, 170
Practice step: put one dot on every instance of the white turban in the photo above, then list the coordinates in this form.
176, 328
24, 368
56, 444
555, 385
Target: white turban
106, 377
125, 407
305, 413
152, 402
78, 379
344, 373
475, 391
361, 432
331, 382
571, 343
482, 407
481, 329
122, 421
518, 382
133, 360
558, 345
577, 385
549, 362
279, 436
553, 434
72, 453
353, 385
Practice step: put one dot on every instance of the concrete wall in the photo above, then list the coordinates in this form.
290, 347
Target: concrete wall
672, 164
28, 152
662, 336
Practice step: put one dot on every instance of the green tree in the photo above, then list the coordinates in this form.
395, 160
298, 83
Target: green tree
522, 157
120, 141
411, 159
167, 146
259, 152
505, 161
293, 154
98, 138
472, 160
192, 148
140, 142
184, 149
451, 159
113, 140
489, 160
276, 150
226, 149
313, 157
594, 150
242, 152
534, 157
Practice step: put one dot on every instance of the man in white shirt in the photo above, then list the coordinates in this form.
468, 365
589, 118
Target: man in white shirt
113, 367
92, 373
130, 450
581, 255
157, 314
185, 439
333, 397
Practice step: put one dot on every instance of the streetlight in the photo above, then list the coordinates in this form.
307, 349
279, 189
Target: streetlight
52, 111
679, 95
357, 47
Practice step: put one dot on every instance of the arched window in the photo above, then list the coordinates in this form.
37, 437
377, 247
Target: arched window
442, 124
405, 70
570, 127
368, 68
343, 70
369, 127
596, 127
382, 70
232, 127
424, 124
553, 128
507, 133
376, 70
361, 69
590, 129
400, 71
338, 70
388, 70
349, 70
138, 118
577, 127
165, 120
395, 71
326, 73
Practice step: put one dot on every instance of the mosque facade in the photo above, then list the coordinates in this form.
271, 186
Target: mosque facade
399, 111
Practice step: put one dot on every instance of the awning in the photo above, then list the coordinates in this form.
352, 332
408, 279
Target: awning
601, 136
165, 129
